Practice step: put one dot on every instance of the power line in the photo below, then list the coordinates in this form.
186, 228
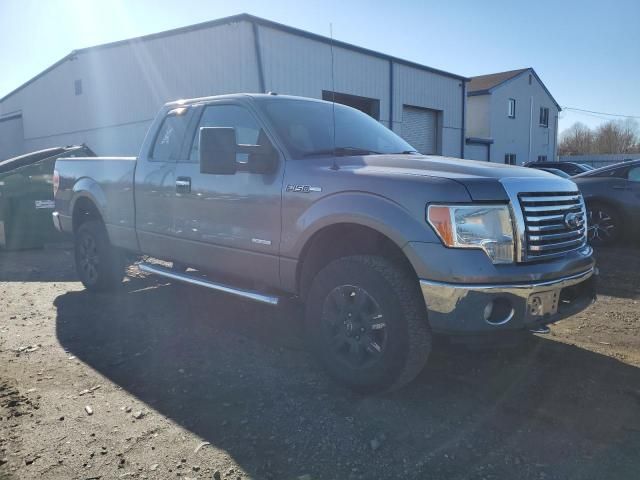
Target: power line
601, 113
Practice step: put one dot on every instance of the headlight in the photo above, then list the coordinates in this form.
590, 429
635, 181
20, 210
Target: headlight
487, 227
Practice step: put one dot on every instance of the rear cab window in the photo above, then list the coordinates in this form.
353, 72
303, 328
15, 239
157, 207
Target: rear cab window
168, 142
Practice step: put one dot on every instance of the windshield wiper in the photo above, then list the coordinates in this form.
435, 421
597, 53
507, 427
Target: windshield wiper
342, 152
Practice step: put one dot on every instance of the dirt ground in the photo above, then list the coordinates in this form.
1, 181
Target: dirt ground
165, 381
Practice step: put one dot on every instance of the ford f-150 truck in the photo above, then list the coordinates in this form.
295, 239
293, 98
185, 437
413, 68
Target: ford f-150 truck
271, 196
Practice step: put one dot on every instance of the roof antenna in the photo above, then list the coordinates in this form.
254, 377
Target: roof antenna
334, 166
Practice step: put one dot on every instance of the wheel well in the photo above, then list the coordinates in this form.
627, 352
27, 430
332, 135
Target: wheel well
602, 201
342, 240
608, 204
83, 211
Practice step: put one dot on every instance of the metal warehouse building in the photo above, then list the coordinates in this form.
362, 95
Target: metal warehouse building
106, 96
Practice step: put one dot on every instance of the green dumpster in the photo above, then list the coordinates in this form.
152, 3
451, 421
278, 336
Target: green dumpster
26, 198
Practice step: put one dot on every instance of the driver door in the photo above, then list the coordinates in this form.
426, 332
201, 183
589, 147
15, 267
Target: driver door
229, 224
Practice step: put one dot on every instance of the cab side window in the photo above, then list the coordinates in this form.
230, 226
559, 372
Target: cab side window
248, 130
169, 138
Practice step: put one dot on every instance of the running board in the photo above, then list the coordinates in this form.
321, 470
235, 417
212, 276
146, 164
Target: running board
201, 282
542, 329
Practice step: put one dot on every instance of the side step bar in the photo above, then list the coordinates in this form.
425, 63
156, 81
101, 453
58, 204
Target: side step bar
543, 329
201, 282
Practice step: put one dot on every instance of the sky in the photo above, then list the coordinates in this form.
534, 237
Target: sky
586, 52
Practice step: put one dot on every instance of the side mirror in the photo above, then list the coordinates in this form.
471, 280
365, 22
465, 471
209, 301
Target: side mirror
218, 150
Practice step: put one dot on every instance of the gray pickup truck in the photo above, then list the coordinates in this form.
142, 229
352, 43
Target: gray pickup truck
271, 197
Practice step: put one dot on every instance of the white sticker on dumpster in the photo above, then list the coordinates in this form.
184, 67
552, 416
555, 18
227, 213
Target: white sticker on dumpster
45, 204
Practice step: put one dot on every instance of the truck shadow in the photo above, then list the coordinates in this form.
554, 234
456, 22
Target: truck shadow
236, 374
54, 264
619, 271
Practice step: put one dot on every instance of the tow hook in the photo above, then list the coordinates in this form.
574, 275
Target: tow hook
543, 329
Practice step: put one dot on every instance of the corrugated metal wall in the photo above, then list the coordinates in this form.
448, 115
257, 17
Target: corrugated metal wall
123, 85
302, 66
11, 137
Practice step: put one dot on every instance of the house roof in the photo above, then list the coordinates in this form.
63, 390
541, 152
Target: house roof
485, 84
234, 19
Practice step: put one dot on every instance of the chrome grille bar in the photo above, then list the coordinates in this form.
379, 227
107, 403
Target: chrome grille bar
550, 229
556, 236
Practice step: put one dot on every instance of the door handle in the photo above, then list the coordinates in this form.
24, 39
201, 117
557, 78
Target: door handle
183, 184
620, 187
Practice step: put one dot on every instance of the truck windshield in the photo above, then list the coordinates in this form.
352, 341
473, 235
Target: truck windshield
306, 127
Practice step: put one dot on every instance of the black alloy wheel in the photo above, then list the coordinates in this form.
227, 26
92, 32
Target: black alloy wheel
603, 228
354, 326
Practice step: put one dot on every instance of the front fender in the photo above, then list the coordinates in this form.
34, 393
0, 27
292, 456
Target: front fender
370, 210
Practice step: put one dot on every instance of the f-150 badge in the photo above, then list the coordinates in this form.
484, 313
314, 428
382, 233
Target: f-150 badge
302, 188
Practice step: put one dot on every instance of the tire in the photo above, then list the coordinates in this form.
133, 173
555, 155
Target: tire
99, 265
366, 323
604, 225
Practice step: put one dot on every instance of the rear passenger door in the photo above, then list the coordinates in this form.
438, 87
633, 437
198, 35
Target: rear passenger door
229, 224
155, 185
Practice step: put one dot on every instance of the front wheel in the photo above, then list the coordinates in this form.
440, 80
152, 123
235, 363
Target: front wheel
603, 224
366, 323
99, 265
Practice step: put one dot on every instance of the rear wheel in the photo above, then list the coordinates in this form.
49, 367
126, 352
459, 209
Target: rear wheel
604, 228
366, 323
99, 265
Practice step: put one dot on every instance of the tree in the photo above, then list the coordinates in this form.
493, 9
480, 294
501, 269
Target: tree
617, 136
578, 139
614, 136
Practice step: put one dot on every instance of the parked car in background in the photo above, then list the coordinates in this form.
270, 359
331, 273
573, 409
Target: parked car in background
612, 196
555, 171
572, 168
26, 197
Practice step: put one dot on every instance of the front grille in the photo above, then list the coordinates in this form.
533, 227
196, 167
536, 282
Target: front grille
547, 232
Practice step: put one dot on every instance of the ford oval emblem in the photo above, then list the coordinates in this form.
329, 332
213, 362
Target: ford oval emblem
573, 220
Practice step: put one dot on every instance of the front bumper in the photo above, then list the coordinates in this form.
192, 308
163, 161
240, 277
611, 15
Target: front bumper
455, 308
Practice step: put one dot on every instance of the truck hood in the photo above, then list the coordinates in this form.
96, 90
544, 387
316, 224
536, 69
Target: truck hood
481, 179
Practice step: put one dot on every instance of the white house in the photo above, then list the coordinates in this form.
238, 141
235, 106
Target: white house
511, 118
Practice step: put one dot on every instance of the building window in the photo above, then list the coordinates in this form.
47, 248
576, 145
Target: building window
542, 158
530, 77
370, 106
511, 108
77, 86
544, 117
510, 159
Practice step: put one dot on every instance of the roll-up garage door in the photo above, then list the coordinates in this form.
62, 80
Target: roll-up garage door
419, 128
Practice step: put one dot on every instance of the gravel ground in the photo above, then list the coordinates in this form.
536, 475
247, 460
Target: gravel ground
165, 381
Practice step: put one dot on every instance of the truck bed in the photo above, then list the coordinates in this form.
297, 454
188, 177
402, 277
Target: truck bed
109, 183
